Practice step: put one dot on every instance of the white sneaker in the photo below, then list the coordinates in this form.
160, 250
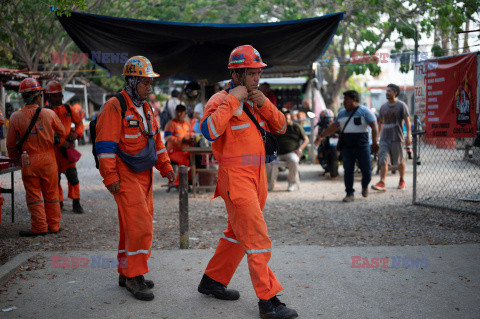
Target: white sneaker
291, 187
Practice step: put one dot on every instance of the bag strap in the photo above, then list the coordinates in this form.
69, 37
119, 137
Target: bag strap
254, 120
29, 129
68, 108
346, 123
123, 103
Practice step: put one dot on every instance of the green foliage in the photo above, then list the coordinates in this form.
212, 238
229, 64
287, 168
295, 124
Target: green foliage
437, 51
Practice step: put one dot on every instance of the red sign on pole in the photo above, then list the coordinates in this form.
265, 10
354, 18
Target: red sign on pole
452, 97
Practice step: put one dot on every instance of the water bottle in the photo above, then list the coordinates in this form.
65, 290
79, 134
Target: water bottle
25, 159
410, 151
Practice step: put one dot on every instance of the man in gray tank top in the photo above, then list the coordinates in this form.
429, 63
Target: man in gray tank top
392, 142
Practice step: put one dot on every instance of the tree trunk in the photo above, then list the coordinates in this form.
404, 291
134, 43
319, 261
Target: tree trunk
465, 36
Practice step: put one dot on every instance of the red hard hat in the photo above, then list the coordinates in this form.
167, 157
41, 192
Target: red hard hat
245, 56
53, 87
29, 85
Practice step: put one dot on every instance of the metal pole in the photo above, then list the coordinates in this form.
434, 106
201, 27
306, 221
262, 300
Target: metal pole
87, 113
415, 155
183, 198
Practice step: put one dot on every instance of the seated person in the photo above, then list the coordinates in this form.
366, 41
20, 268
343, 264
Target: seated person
178, 135
291, 145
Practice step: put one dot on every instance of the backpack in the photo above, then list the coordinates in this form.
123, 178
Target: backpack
165, 116
93, 124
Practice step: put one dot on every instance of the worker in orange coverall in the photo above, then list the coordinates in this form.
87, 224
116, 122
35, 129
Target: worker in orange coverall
67, 115
242, 183
178, 135
128, 145
40, 178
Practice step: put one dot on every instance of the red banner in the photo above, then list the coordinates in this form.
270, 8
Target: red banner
451, 96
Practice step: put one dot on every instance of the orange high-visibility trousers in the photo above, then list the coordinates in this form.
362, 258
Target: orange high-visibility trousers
135, 216
181, 158
63, 165
244, 190
40, 179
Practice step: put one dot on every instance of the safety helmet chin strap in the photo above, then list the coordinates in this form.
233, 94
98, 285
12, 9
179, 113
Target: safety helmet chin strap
244, 76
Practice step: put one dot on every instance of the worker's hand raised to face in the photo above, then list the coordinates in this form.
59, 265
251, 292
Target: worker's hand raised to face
240, 92
257, 97
114, 188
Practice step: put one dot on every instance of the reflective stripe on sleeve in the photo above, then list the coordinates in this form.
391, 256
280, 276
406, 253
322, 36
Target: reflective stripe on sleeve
230, 239
262, 123
280, 131
239, 127
254, 251
161, 151
106, 156
212, 128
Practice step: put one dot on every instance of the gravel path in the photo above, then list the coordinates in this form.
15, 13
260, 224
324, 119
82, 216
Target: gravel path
314, 215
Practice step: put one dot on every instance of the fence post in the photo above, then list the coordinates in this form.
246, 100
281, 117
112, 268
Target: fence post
183, 198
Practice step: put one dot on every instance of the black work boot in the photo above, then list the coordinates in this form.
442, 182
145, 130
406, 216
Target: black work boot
122, 279
138, 288
29, 233
208, 286
77, 208
274, 309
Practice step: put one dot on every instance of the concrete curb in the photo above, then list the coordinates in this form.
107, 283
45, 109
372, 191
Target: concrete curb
7, 270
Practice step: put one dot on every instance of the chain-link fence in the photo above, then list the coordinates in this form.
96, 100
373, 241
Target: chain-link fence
446, 173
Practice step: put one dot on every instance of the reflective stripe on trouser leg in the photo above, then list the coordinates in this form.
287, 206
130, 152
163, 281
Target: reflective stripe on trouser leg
228, 255
244, 205
135, 214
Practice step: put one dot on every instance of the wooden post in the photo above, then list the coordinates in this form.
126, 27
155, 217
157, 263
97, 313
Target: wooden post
183, 198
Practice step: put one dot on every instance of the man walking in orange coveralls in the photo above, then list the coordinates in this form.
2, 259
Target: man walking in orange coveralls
40, 177
128, 145
242, 183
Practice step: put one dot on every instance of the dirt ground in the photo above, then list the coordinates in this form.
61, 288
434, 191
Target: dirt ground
313, 215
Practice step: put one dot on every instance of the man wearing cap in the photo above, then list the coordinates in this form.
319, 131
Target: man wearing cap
291, 146
67, 115
39, 172
128, 146
242, 183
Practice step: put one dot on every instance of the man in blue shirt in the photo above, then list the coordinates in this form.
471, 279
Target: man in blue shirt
354, 120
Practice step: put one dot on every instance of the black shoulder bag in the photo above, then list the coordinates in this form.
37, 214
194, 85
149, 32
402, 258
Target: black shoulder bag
340, 137
29, 130
270, 141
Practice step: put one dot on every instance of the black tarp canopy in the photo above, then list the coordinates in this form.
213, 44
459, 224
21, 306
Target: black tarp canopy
199, 50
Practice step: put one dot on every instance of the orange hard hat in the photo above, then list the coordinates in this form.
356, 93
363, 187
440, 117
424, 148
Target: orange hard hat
139, 66
29, 85
53, 87
245, 56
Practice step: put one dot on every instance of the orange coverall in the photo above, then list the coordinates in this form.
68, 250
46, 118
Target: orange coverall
242, 183
135, 199
62, 162
175, 131
40, 178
